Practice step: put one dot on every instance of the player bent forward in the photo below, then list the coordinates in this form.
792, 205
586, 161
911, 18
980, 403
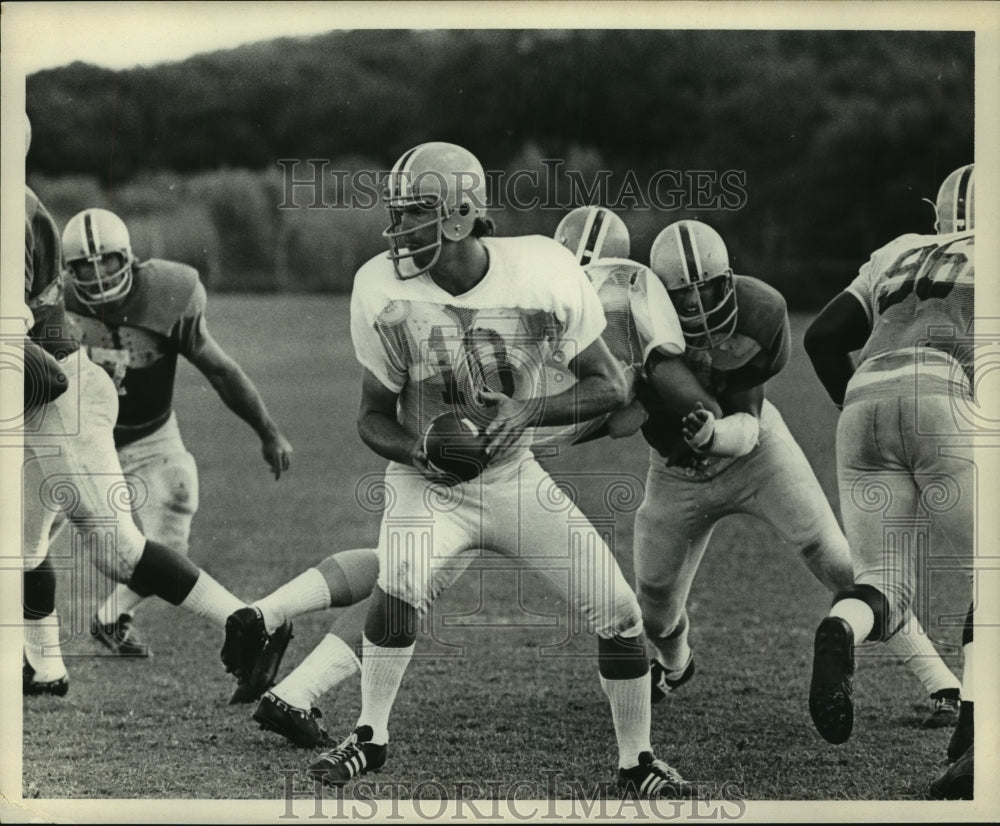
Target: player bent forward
461, 322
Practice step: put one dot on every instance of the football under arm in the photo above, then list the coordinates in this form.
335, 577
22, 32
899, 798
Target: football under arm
841, 328
377, 425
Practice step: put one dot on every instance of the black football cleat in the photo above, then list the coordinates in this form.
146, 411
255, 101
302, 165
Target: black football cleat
295, 724
252, 654
662, 682
957, 783
357, 755
120, 637
831, 692
947, 703
653, 778
30, 687
963, 735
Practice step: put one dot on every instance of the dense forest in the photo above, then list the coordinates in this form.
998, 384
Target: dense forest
827, 140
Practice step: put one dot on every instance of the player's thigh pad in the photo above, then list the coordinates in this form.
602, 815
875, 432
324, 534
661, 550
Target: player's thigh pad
532, 519
777, 484
426, 534
166, 478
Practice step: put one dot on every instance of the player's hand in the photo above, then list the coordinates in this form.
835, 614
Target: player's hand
277, 453
504, 428
698, 428
418, 458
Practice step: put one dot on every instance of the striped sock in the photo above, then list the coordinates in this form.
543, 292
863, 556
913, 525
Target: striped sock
326, 666
630, 713
382, 671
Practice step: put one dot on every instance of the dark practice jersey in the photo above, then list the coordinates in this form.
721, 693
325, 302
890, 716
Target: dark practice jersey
757, 350
43, 281
137, 343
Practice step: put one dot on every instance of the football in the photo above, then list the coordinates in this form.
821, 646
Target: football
455, 446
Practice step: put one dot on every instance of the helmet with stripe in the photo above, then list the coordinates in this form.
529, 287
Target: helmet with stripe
101, 239
955, 207
442, 186
593, 232
691, 260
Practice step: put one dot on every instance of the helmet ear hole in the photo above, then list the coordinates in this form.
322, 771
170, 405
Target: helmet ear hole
465, 209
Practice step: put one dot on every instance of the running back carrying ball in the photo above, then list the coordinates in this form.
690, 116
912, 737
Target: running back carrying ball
454, 446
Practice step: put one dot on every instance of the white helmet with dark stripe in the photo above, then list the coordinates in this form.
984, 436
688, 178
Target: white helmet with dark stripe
593, 232
89, 237
691, 260
446, 181
955, 206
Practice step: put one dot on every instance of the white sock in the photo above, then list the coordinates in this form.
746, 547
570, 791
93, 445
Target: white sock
121, 600
630, 713
327, 665
307, 592
967, 696
42, 649
858, 615
912, 645
381, 673
210, 600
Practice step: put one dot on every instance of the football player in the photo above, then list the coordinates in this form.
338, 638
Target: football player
134, 318
72, 473
900, 455
456, 320
672, 383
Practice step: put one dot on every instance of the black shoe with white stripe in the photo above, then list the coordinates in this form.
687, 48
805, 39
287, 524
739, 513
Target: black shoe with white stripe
357, 755
654, 778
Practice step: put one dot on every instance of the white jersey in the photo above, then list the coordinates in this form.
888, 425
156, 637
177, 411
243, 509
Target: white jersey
640, 319
918, 292
534, 306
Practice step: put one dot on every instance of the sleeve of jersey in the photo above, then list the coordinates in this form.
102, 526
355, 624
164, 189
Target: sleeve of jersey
655, 317
581, 312
863, 285
191, 330
373, 338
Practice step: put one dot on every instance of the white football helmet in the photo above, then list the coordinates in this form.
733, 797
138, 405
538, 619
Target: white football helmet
955, 207
449, 183
90, 236
593, 232
691, 260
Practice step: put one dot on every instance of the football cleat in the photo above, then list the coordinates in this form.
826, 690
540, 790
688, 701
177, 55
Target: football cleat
32, 688
962, 736
295, 724
119, 636
957, 782
357, 755
662, 682
831, 692
654, 778
945, 712
252, 654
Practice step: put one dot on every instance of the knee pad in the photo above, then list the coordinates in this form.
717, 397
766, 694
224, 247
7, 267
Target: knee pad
879, 604
39, 591
354, 571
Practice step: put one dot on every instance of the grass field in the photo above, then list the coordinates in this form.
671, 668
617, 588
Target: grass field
503, 692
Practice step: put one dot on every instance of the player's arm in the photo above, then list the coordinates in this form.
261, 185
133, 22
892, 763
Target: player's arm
841, 328
675, 387
735, 434
379, 429
601, 388
240, 395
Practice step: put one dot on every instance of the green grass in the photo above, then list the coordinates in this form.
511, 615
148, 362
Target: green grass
486, 700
